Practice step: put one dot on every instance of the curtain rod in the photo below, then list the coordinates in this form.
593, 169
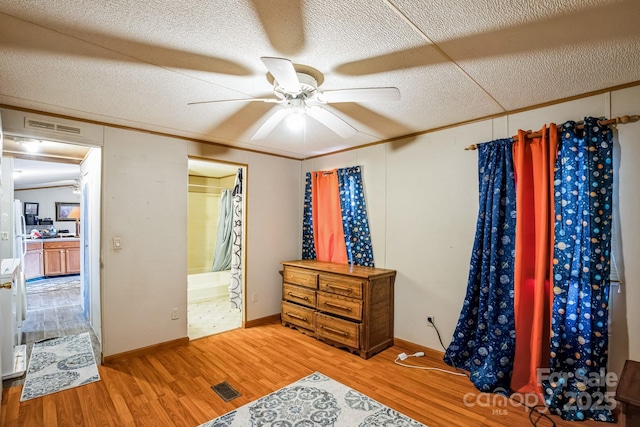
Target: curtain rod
614, 121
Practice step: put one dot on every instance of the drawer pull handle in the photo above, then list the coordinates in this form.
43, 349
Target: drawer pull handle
341, 307
295, 316
292, 295
6, 285
339, 288
335, 331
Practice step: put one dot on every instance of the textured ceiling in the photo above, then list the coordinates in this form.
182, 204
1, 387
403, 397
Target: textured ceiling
138, 63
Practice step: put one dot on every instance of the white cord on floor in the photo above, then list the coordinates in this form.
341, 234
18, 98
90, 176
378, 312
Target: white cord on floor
404, 356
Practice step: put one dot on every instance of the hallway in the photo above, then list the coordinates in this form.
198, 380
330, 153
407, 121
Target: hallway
54, 309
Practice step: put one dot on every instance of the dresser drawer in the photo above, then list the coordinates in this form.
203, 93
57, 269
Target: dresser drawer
342, 306
299, 295
341, 285
301, 276
338, 330
297, 315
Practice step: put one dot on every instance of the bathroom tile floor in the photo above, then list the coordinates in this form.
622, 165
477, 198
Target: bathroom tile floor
212, 316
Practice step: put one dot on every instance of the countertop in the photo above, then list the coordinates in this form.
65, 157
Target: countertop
55, 239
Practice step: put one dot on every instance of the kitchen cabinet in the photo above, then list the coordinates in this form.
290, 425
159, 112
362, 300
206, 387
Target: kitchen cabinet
34, 260
61, 258
347, 306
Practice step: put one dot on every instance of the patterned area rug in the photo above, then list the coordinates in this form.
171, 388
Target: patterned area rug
316, 400
59, 364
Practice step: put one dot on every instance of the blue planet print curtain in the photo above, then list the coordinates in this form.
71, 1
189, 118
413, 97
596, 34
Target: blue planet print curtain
308, 242
484, 339
579, 330
355, 222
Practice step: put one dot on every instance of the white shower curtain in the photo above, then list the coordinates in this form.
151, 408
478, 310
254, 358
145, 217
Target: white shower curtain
222, 252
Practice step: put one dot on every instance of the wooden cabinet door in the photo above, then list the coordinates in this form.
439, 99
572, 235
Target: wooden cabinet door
54, 262
33, 264
72, 256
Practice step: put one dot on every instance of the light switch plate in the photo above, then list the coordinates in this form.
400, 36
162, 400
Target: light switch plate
117, 243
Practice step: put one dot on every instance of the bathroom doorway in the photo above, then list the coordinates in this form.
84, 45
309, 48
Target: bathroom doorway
216, 222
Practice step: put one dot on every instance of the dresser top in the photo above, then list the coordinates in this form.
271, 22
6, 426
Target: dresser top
347, 269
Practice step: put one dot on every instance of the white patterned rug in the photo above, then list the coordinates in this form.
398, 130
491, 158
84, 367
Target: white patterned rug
59, 364
316, 400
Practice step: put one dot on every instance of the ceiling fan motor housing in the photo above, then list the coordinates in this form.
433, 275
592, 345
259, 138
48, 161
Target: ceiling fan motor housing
308, 88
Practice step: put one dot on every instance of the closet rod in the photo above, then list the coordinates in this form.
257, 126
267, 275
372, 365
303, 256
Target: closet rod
614, 121
209, 186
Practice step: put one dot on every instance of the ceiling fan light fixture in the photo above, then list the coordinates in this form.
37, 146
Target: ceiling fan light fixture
296, 106
295, 120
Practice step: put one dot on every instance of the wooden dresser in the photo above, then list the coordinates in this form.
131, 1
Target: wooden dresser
348, 306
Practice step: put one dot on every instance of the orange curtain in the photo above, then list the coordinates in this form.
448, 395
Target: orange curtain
534, 160
328, 233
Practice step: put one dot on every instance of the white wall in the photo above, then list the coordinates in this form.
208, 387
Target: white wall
47, 198
145, 203
625, 102
422, 198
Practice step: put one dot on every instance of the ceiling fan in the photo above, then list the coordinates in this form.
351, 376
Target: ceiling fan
297, 94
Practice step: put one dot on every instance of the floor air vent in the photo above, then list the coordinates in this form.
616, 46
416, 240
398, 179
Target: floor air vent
52, 126
225, 391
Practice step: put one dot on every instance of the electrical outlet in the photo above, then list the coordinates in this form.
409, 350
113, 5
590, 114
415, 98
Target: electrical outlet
254, 297
174, 314
431, 319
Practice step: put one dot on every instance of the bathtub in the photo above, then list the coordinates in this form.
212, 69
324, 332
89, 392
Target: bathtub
204, 286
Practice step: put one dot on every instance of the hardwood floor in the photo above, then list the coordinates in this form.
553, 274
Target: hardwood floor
172, 387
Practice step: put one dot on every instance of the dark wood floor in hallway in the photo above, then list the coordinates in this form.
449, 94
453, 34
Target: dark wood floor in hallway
54, 309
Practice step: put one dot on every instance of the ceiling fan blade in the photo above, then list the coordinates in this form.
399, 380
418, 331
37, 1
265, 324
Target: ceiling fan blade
272, 100
270, 124
333, 122
360, 95
283, 71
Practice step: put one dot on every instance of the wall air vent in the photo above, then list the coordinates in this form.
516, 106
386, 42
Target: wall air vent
52, 126
39, 124
69, 129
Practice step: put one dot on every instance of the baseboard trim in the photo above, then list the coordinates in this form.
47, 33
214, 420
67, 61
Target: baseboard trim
146, 350
274, 318
413, 348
